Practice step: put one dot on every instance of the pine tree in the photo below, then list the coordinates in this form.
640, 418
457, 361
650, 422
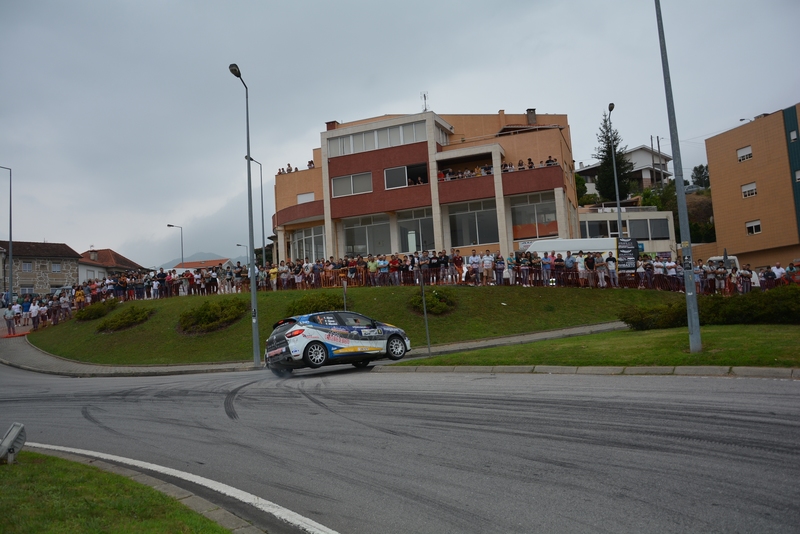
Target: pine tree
608, 137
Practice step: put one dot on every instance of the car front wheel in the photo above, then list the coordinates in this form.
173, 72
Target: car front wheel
395, 348
315, 354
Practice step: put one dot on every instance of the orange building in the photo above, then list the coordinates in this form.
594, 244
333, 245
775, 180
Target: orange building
403, 183
754, 172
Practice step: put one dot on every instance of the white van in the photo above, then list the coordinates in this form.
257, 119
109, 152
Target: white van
603, 245
733, 261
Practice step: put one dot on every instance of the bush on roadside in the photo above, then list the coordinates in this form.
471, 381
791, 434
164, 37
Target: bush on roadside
210, 316
776, 306
96, 310
438, 300
316, 301
130, 316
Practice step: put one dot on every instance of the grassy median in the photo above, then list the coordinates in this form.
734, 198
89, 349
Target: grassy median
45, 494
480, 312
730, 345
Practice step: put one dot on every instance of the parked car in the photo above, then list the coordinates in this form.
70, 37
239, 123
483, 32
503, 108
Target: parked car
331, 338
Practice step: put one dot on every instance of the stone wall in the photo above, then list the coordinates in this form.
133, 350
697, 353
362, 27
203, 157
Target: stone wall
41, 276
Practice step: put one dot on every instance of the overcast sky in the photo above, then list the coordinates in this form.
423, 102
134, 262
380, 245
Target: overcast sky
119, 117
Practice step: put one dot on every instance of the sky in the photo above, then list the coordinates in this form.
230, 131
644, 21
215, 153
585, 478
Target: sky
120, 117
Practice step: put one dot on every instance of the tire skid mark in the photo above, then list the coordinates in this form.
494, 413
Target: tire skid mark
372, 427
230, 400
89, 417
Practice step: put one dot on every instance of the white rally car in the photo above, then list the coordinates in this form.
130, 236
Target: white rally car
330, 338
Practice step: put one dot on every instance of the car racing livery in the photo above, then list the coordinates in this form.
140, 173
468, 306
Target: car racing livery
332, 337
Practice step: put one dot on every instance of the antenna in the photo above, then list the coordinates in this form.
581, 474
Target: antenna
424, 97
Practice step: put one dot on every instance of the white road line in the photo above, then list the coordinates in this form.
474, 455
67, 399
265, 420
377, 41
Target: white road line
294, 519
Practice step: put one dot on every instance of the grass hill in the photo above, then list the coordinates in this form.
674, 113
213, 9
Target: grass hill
481, 312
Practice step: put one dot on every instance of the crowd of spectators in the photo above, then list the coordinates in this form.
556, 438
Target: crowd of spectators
486, 170
289, 169
552, 269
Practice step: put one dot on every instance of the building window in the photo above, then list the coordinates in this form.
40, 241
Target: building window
749, 190
473, 223
753, 227
367, 235
404, 176
302, 198
27, 267
534, 215
744, 153
793, 136
659, 229
413, 132
56, 267
352, 185
638, 229
416, 230
25, 290
797, 176
396, 177
308, 243
90, 274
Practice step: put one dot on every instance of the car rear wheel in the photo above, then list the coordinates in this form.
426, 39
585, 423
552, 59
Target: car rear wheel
280, 373
361, 364
315, 354
395, 348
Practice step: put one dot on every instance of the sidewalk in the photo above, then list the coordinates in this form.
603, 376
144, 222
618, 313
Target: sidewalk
17, 352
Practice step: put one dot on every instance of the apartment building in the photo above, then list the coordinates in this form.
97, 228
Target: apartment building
754, 172
402, 183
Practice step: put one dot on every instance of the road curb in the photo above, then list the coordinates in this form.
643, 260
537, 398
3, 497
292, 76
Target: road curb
204, 507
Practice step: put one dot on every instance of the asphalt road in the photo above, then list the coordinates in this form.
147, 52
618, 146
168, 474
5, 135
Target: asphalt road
363, 452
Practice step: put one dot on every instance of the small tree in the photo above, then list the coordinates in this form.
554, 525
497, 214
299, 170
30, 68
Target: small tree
607, 138
580, 185
700, 176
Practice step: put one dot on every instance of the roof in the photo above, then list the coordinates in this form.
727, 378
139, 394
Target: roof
202, 264
110, 260
664, 156
29, 249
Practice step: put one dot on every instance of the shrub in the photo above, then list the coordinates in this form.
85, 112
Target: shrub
438, 300
776, 306
96, 310
316, 301
130, 316
210, 316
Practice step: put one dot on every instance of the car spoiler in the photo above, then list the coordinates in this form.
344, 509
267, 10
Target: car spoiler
282, 322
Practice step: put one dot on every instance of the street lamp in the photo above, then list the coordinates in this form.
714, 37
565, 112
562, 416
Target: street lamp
251, 264
181, 227
10, 243
692, 311
263, 233
614, 165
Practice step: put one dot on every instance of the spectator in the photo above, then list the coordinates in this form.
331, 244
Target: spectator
487, 263
499, 268
311, 164
611, 265
289, 167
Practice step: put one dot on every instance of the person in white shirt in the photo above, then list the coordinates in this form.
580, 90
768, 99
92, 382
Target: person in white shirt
487, 262
779, 271
34, 311
611, 265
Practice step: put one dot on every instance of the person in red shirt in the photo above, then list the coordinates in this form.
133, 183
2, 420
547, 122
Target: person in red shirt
458, 262
394, 270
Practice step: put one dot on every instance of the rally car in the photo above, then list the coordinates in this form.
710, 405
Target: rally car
330, 338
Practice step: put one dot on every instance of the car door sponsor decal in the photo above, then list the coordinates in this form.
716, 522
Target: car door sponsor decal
371, 332
337, 339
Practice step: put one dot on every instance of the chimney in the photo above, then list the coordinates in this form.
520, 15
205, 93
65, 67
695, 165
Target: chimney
581, 163
331, 125
531, 116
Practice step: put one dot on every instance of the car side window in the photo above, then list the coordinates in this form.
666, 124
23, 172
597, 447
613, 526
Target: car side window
326, 319
353, 319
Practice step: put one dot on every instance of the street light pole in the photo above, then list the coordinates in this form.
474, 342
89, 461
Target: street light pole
10, 242
251, 267
181, 227
614, 164
692, 312
263, 233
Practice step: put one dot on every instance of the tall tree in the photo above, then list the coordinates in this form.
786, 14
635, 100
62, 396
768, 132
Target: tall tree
700, 176
607, 138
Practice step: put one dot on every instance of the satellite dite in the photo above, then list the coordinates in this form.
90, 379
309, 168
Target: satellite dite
12, 443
